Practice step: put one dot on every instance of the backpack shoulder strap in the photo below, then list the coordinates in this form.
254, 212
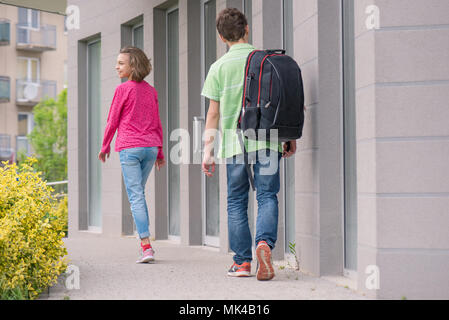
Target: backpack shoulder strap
245, 157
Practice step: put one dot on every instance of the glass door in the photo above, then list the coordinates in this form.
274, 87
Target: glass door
247, 8
349, 152
248, 11
173, 120
211, 212
288, 164
28, 79
28, 19
26, 125
137, 41
94, 134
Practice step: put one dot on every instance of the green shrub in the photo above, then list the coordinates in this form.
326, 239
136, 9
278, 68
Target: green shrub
32, 223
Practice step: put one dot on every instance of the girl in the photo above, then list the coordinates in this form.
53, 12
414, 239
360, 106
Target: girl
135, 113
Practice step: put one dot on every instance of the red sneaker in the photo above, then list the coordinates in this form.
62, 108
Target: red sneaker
265, 270
242, 270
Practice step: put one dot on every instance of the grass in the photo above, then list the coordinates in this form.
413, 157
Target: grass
292, 247
14, 294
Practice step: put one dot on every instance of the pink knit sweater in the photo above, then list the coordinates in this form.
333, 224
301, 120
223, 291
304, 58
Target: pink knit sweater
135, 114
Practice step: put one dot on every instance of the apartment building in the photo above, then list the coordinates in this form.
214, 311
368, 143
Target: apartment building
33, 59
367, 193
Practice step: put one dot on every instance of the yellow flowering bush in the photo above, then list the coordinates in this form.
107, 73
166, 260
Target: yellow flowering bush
32, 223
62, 211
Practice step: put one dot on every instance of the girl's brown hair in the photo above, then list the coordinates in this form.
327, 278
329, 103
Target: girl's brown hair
139, 63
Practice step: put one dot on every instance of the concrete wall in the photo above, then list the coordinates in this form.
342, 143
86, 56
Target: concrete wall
306, 173
401, 94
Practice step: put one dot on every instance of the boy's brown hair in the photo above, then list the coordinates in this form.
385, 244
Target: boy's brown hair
139, 62
231, 24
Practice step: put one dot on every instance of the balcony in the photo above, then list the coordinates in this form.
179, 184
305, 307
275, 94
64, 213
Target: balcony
30, 93
23, 146
5, 33
6, 152
5, 89
32, 39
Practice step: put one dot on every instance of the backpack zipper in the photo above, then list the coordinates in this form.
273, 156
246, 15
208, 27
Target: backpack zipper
261, 70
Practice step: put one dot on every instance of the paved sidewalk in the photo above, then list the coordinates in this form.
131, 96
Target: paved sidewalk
108, 271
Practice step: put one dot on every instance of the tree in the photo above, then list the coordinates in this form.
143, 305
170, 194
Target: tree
49, 138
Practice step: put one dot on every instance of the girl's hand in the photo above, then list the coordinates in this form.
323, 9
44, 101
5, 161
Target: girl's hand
102, 156
159, 164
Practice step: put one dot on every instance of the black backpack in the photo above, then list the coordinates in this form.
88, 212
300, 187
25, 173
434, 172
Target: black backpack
273, 98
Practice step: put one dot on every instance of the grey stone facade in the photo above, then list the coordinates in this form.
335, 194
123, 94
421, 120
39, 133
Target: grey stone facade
401, 109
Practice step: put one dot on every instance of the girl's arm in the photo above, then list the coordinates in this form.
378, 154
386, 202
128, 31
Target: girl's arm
160, 155
113, 119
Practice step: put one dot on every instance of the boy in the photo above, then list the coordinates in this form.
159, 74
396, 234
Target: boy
224, 88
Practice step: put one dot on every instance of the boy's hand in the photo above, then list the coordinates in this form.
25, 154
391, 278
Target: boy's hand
208, 163
159, 164
289, 149
102, 156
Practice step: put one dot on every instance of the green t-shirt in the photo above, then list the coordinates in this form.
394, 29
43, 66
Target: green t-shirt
224, 84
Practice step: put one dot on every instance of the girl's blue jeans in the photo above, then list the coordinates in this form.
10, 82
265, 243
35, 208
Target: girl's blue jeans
136, 166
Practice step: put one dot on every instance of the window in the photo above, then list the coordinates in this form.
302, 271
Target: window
65, 74
137, 35
94, 133
287, 14
65, 25
289, 164
248, 11
5, 31
211, 186
25, 126
349, 134
28, 69
174, 205
29, 18
5, 89
28, 79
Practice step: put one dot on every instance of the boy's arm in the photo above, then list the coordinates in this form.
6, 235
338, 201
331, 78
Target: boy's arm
212, 122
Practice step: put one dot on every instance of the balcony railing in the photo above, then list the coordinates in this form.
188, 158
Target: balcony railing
41, 39
6, 152
59, 187
5, 89
23, 145
30, 93
5, 32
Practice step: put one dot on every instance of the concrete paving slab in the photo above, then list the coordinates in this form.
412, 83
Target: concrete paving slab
107, 270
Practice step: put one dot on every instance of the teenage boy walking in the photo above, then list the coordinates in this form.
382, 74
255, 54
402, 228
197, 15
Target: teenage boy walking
224, 88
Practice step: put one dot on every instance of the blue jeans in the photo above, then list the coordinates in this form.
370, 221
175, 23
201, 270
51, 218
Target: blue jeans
136, 166
267, 183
